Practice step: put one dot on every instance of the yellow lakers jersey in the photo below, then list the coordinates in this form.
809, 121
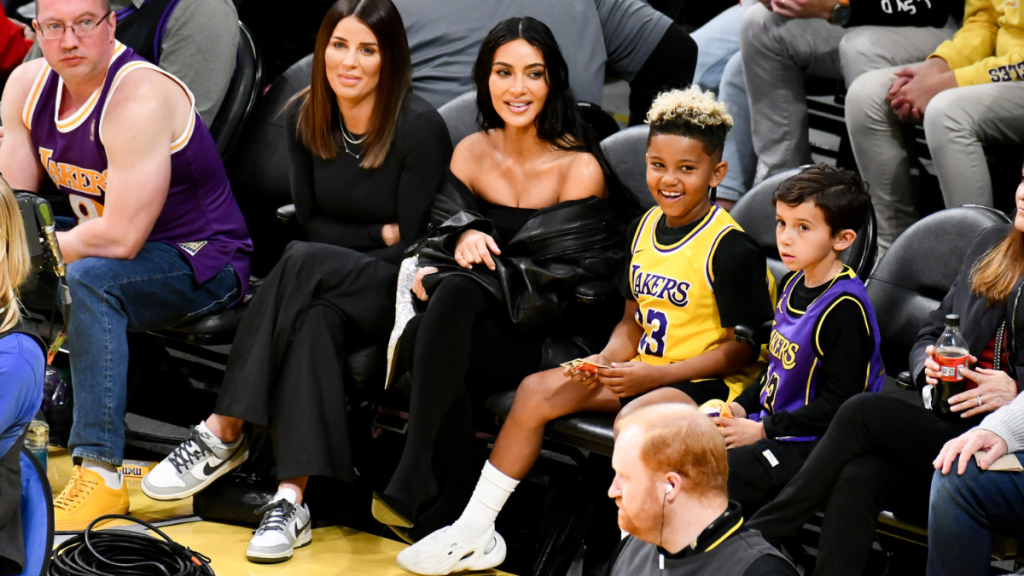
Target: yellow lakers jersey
674, 288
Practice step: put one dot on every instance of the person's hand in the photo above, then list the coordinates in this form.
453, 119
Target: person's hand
932, 370
919, 85
739, 431
737, 410
26, 30
965, 446
391, 234
626, 379
475, 247
995, 390
588, 379
417, 284
804, 8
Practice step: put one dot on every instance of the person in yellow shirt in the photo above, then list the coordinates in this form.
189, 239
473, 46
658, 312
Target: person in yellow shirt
967, 93
693, 276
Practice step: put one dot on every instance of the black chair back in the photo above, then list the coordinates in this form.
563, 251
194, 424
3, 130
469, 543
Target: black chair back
241, 95
626, 151
916, 273
756, 214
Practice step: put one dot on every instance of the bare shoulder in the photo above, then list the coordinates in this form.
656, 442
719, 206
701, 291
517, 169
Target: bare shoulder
583, 177
470, 155
147, 87
149, 99
19, 83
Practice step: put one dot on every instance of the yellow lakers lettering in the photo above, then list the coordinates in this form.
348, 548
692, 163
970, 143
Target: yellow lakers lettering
660, 287
784, 350
72, 177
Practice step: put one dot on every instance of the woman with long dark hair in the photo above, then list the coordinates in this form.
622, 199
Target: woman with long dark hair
878, 452
366, 158
529, 213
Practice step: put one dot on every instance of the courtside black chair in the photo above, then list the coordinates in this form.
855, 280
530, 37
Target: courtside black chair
241, 95
756, 214
460, 117
626, 151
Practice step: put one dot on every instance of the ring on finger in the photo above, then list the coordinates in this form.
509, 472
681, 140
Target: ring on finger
979, 401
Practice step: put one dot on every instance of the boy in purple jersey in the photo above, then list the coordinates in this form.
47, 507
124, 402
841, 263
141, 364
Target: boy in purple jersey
824, 340
159, 237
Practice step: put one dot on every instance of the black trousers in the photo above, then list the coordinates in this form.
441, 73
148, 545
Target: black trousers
756, 477
285, 371
464, 348
877, 455
670, 65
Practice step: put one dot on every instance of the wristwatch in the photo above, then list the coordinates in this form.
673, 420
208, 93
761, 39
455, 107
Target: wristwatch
840, 13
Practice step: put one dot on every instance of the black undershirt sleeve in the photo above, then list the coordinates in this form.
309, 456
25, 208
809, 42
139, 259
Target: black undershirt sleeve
770, 566
741, 281
846, 346
426, 150
318, 226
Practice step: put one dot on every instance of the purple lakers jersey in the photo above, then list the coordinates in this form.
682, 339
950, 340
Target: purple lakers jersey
200, 217
794, 362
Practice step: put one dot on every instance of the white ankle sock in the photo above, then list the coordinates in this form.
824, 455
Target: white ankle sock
285, 494
110, 474
211, 439
492, 490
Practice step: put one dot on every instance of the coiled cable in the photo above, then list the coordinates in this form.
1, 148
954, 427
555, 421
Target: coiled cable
123, 553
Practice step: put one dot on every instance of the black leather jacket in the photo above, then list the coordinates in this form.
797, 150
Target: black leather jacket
538, 270
978, 320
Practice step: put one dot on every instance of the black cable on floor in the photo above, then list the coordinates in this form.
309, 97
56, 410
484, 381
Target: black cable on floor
122, 553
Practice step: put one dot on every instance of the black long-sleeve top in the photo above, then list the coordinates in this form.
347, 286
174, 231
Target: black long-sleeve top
846, 348
338, 202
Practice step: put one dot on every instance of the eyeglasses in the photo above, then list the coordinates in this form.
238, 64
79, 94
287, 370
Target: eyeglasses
82, 28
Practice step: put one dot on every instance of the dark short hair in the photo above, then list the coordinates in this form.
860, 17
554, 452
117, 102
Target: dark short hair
712, 138
840, 195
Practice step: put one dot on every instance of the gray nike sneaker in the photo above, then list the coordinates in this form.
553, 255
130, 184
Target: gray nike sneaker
192, 466
284, 528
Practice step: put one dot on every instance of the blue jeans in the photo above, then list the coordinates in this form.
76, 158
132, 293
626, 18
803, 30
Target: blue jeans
154, 290
964, 512
720, 69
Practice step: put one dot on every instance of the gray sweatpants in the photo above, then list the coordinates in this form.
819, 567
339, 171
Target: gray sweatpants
778, 54
956, 123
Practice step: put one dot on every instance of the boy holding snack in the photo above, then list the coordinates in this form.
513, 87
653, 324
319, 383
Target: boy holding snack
693, 276
824, 341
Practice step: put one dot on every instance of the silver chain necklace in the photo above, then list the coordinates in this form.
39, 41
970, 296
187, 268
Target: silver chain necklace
349, 138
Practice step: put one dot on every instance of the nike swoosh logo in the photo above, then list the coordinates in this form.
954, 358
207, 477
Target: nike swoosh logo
299, 527
209, 471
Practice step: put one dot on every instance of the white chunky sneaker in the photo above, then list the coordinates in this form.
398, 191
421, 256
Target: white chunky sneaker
449, 550
194, 465
284, 528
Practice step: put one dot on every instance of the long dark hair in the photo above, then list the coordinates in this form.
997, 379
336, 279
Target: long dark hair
319, 113
559, 121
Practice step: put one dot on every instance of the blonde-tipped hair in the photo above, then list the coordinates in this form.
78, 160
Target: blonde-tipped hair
679, 438
14, 259
691, 113
693, 105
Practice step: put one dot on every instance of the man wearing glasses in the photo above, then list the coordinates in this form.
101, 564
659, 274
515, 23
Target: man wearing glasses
159, 238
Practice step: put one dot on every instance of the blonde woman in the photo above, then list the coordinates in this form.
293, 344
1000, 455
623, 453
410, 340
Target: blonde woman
21, 370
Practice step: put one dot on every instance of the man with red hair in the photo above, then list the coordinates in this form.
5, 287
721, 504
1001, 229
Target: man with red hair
671, 477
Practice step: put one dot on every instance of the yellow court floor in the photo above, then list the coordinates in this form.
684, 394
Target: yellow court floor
334, 551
